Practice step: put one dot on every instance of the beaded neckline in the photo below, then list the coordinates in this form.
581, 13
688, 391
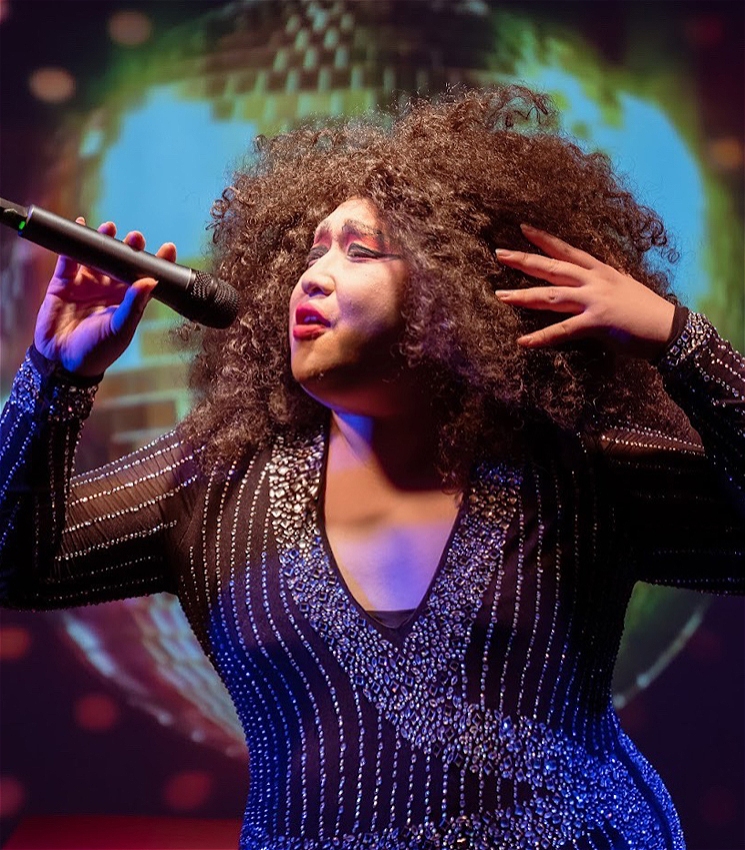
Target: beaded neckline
429, 655
392, 633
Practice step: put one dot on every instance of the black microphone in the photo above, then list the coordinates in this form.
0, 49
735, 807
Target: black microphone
194, 294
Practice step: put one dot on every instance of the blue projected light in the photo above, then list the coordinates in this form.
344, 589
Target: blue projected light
168, 165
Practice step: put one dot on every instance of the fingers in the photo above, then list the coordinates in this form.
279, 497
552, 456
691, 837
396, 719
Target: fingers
167, 251
555, 247
128, 313
136, 240
574, 276
567, 330
66, 268
551, 269
557, 298
68, 271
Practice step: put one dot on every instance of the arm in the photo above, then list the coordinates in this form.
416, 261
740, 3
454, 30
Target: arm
103, 535
706, 378
681, 505
97, 537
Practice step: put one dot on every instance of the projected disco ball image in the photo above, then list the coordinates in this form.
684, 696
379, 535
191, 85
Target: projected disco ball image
160, 148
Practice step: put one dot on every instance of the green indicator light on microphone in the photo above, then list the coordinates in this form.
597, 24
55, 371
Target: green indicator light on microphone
21, 226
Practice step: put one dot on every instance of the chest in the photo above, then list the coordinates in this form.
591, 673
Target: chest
387, 545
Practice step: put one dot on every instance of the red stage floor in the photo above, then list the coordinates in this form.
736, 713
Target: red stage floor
107, 832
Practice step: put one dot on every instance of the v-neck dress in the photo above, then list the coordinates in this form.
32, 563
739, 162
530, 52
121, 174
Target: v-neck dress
485, 720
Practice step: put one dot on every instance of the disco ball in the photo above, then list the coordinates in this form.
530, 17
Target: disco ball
153, 155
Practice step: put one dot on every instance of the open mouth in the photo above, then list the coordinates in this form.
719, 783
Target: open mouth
309, 322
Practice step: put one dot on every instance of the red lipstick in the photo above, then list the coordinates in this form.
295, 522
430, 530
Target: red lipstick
309, 322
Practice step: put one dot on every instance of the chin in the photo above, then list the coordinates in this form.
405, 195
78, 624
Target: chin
369, 389
324, 387
375, 399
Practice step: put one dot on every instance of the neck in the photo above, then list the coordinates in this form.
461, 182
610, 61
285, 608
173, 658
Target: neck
402, 447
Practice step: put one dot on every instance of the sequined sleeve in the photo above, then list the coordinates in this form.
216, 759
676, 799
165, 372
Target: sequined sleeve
681, 501
66, 540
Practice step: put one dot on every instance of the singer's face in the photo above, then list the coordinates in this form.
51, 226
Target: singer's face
345, 313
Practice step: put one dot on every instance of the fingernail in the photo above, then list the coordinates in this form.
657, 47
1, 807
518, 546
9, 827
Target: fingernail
502, 294
529, 228
503, 252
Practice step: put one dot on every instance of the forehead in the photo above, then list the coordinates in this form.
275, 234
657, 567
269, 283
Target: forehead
356, 214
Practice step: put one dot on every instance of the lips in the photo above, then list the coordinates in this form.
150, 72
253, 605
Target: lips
309, 322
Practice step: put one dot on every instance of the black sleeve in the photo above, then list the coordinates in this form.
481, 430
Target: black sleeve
105, 535
680, 502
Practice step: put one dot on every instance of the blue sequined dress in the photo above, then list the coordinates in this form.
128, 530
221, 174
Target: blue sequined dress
485, 721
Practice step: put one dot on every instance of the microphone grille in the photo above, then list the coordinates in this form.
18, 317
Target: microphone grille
221, 301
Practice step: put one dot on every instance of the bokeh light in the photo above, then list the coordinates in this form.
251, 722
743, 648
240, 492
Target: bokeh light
705, 646
12, 796
188, 790
52, 85
705, 30
719, 806
96, 712
15, 642
726, 153
130, 28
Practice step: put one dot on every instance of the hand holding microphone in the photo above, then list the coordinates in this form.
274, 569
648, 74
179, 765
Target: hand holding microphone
87, 318
100, 288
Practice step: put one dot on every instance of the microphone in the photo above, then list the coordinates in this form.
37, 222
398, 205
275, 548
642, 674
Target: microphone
194, 294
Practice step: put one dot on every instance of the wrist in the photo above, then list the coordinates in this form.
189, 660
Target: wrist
695, 330
41, 389
49, 368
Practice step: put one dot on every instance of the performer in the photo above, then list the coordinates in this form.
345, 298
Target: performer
405, 523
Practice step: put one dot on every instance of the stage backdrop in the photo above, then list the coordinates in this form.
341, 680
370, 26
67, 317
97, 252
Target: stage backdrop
138, 113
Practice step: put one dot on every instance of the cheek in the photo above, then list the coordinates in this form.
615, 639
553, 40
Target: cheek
375, 305
295, 297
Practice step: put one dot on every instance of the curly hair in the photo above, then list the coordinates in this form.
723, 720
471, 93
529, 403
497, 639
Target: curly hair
452, 179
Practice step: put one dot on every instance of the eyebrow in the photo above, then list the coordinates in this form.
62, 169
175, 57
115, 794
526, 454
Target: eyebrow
351, 225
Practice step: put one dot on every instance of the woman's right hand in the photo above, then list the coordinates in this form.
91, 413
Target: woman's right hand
87, 319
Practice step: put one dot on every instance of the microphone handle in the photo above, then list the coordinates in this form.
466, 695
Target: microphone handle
91, 248
194, 294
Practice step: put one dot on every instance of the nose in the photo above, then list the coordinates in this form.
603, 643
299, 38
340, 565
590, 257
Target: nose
316, 281
316, 286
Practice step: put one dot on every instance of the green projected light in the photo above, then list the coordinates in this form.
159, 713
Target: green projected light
161, 146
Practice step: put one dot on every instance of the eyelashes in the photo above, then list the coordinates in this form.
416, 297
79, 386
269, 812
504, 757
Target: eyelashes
354, 251
313, 255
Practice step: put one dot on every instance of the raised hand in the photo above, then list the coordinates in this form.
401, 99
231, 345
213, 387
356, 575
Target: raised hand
602, 302
87, 319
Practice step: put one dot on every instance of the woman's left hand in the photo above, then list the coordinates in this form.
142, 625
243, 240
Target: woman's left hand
603, 303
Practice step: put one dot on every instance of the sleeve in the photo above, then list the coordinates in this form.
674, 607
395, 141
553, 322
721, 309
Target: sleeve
681, 501
104, 535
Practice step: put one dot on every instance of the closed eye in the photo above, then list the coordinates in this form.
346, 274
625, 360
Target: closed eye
315, 254
355, 252
361, 251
